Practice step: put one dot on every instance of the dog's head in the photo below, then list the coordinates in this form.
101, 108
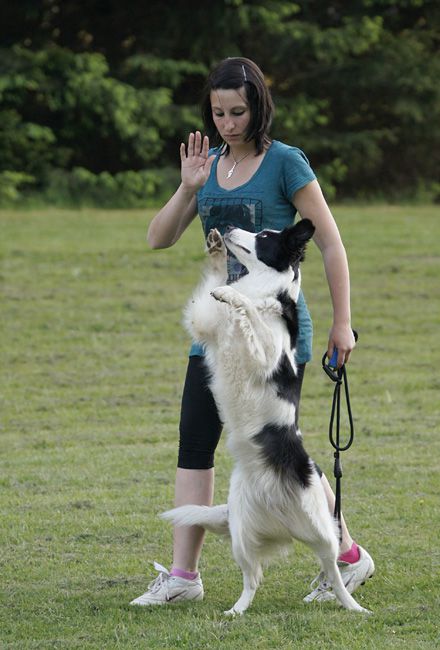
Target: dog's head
279, 250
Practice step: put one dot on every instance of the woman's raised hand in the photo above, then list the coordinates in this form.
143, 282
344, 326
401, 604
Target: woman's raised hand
195, 162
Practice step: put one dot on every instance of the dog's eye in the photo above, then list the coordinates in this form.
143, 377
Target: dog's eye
263, 235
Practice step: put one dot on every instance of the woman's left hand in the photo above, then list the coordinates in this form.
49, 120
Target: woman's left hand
341, 337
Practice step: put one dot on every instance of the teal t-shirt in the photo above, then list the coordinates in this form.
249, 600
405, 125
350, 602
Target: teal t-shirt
265, 201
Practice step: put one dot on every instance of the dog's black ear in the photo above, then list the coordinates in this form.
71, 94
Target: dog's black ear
304, 230
297, 236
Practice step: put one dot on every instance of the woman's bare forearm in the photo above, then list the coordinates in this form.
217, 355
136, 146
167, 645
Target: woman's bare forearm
171, 221
336, 269
311, 203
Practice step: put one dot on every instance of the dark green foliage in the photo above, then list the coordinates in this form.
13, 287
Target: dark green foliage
94, 119
115, 88
356, 85
80, 187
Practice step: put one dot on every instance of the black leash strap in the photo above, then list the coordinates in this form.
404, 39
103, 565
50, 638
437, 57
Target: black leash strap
339, 377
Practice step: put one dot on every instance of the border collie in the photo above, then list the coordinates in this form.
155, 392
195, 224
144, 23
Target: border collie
249, 329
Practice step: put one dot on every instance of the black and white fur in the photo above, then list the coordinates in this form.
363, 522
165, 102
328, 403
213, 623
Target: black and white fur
249, 329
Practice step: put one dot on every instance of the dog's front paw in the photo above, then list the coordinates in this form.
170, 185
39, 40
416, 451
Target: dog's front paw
270, 305
214, 243
228, 295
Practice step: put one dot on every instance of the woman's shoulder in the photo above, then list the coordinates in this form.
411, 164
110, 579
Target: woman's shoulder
293, 167
288, 152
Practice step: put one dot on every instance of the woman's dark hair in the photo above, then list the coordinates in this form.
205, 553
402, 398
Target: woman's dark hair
233, 73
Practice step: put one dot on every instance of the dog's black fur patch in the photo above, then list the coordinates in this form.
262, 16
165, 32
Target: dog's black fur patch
284, 376
285, 380
290, 316
283, 451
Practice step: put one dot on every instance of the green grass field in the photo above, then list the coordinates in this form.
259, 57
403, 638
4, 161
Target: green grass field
93, 360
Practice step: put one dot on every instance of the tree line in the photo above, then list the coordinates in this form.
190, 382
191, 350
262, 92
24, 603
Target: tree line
95, 97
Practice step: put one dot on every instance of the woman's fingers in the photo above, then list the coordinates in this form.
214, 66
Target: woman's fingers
197, 143
191, 139
197, 147
205, 146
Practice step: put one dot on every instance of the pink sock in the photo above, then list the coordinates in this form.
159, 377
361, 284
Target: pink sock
351, 556
188, 575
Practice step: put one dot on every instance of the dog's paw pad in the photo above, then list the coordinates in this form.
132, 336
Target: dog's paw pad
214, 242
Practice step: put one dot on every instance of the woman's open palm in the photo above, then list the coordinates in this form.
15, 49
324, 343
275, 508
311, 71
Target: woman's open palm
195, 162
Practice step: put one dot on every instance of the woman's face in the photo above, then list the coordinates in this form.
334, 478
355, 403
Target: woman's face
231, 114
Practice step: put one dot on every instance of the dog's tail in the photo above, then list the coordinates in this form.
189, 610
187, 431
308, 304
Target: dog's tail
213, 518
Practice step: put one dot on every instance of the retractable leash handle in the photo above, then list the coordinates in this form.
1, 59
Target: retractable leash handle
339, 376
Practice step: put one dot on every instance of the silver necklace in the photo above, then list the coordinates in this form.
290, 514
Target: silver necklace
231, 171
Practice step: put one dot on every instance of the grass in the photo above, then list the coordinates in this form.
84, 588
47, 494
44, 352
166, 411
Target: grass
93, 360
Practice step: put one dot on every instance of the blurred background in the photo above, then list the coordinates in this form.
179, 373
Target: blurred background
96, 96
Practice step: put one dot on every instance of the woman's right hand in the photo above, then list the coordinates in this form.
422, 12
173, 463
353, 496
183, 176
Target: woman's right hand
195, 162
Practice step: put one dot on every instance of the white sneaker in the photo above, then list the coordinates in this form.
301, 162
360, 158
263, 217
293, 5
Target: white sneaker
169, 589
353, 576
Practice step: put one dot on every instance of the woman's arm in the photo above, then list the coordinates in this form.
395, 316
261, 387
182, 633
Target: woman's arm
171, 221
176, 215
311, 203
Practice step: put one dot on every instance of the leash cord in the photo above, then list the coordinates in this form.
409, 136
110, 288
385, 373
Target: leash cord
339, 377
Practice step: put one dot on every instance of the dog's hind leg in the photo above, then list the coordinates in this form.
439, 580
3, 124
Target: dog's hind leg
252, 574
243, 549
318, 531
330, 568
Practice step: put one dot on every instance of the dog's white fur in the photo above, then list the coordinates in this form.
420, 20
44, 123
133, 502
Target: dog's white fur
245, 335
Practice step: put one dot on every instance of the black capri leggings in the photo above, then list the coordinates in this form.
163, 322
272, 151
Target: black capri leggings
200, 424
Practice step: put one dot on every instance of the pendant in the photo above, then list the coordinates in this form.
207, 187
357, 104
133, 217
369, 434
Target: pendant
231, 171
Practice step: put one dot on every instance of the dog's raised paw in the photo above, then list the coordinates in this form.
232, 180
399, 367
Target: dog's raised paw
270, 305
229, 296
214, 243
222, 294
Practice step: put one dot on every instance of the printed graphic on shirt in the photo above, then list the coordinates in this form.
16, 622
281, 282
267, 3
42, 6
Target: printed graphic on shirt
216, 212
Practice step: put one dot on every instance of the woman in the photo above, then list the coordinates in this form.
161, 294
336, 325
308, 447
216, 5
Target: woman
250, 181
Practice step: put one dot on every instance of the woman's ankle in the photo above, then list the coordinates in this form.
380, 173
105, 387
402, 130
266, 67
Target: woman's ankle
187, 575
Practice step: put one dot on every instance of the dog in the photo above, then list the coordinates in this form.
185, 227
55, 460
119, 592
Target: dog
249, 329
